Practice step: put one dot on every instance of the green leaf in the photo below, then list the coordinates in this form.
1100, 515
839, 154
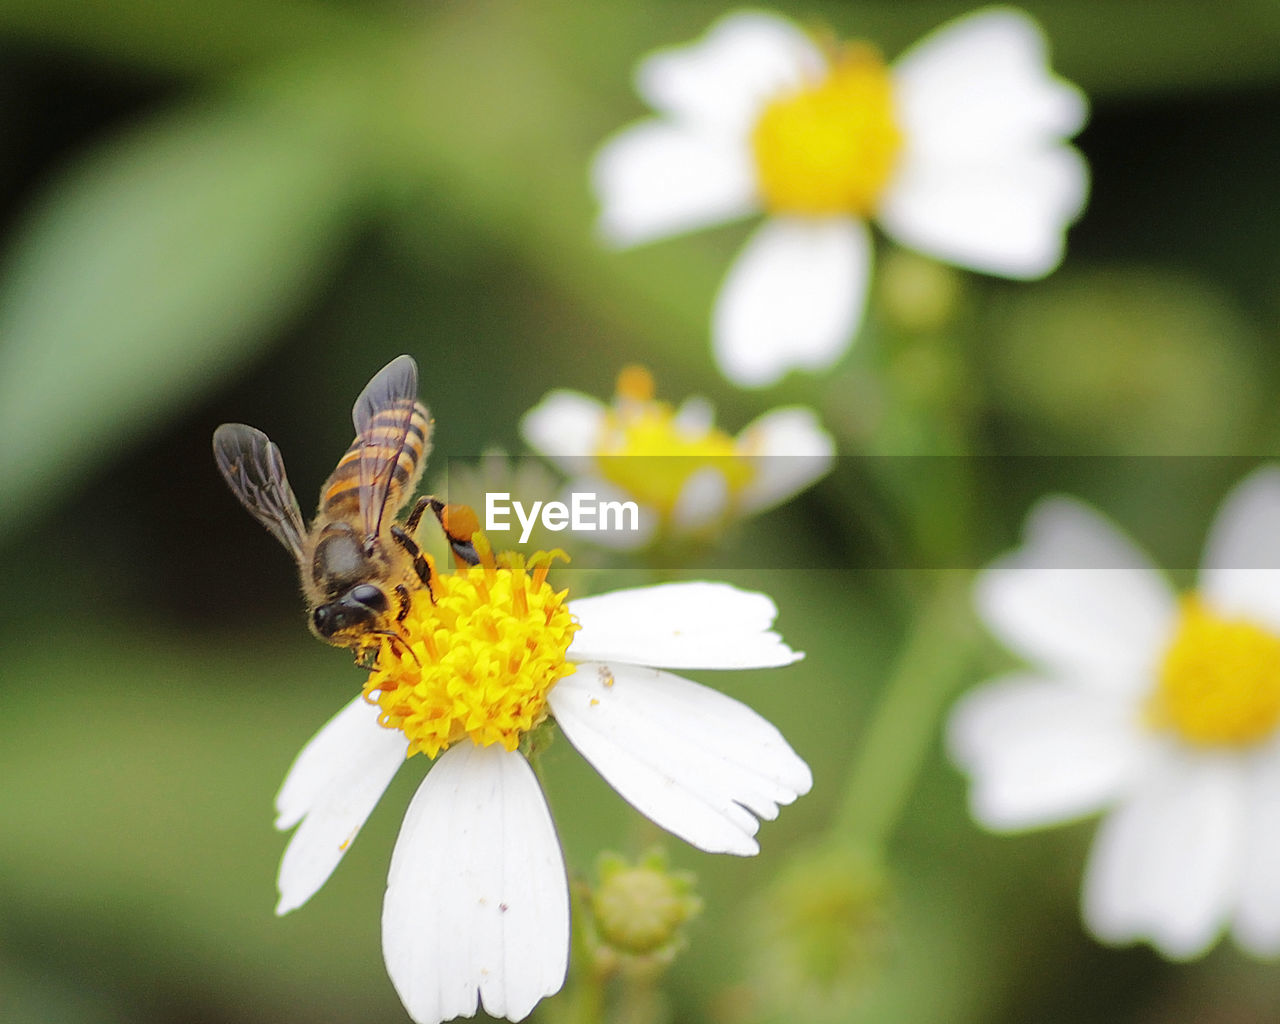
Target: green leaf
156, 265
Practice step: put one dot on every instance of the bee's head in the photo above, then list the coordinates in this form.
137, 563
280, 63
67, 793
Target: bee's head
358, 610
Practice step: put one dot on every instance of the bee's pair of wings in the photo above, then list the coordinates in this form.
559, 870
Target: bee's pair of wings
254, 468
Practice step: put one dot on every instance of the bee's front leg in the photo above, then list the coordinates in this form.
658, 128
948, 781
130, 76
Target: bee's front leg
421, 563
415, 515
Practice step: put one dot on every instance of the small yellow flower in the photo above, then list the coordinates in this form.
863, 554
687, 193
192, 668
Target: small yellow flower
688, 476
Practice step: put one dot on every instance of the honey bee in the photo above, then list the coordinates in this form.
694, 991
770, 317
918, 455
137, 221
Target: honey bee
359, 568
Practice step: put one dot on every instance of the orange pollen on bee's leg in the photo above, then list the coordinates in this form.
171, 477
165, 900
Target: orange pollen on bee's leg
481, 659
460, 521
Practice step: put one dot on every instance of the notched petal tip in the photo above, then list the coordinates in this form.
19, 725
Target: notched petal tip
700, 764
786, 655
495, 875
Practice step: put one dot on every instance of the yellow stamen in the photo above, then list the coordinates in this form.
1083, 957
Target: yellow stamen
479, 661
635, 383
651, 455
831, 146
1219, 682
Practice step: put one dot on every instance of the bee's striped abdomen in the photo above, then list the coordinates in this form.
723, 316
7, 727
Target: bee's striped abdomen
395, 455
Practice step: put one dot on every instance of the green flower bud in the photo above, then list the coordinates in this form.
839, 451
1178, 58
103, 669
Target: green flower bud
639, 910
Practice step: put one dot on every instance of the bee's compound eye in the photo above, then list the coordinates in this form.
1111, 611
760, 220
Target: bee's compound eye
324, 620
369, 596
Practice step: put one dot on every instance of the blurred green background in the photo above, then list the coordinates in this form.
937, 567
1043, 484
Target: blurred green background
238, 210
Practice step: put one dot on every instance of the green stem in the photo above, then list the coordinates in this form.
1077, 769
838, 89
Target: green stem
587, 1000
898, 739
583, 1001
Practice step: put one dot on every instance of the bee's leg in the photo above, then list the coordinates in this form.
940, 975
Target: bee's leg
415, 514
459, 540
402, 592
421, 564
391, 638
464, 551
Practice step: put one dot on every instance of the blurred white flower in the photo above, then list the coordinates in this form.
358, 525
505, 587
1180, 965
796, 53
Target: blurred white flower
477, 904
956, 150
687, 476
1161, 710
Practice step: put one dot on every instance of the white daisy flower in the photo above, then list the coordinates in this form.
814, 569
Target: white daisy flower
477, 905
956, 150
686, 476
1163, 711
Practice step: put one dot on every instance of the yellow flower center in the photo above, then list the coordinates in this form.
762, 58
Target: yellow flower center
1219, 683
479, 661
831, 146
651, 455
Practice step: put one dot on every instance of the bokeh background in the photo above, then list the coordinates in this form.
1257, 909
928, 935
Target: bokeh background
239, 209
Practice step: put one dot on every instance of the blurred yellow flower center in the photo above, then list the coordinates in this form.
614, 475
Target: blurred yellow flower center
831, 146
651, 453
1219, 683
479, 662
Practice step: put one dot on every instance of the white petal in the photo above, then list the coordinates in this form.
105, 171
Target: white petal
655, 179
1257, 926
721, 81
695, 418
1040, 752
789, 450
565, 427
680, 625
1004, 215
477, 905
698, 763
332, 788
1240, 570
981, 86
1164, 865
984, 181
794, 297
1078, 598
702, 501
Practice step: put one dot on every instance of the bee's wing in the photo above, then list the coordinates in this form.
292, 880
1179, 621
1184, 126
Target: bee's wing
254, 470
382, 415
